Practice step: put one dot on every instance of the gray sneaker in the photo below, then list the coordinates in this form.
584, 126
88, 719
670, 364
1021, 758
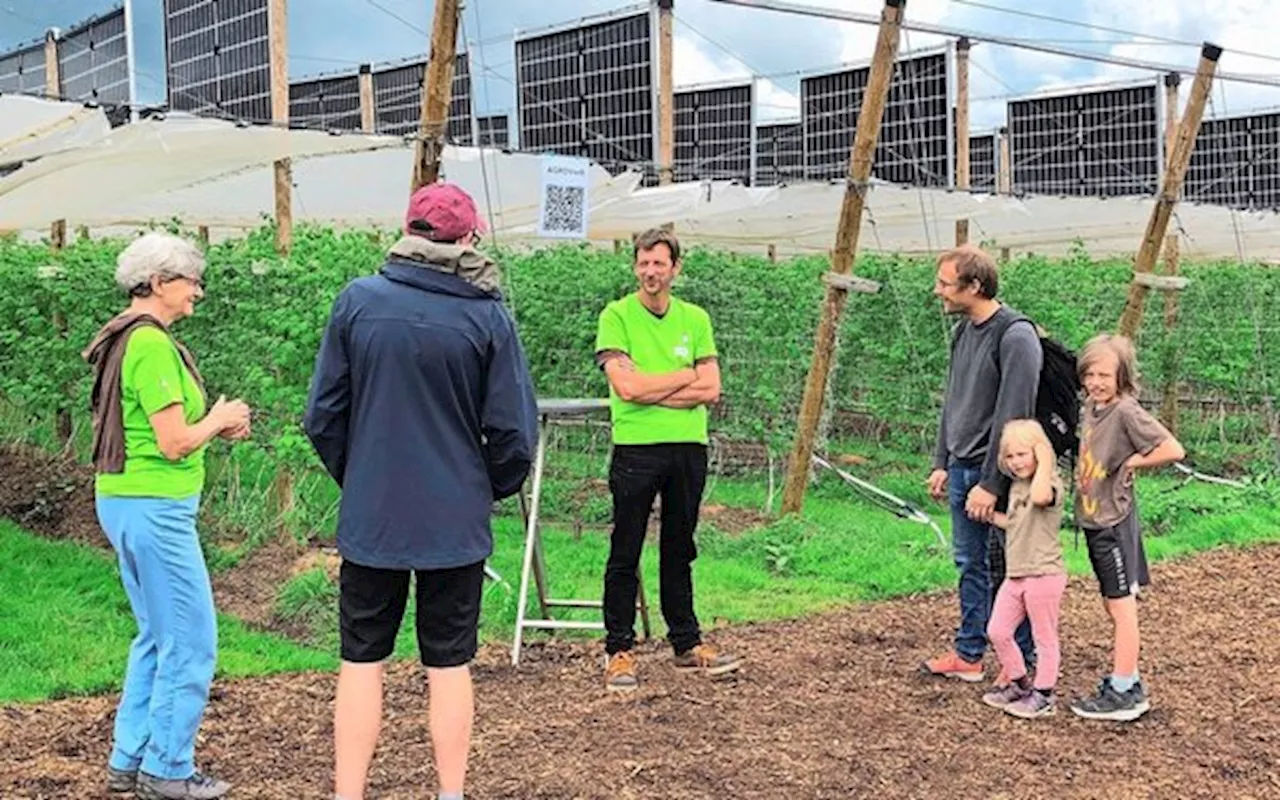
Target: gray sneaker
1108, 704
121, 781
1033, 705
198, 787
1005, 696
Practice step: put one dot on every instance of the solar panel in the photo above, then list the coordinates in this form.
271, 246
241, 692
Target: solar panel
1236, 162
982, 163
397, 92
589, 90
22, 72
93, 60
779, 154
331, 103
914, 145
494, 131
713, 131
219, 57
1097, 143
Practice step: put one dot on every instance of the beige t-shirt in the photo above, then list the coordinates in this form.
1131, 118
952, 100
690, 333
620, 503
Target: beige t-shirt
1032, 546
1110, 437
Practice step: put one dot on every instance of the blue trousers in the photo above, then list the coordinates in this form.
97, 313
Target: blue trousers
979, 556
171, 661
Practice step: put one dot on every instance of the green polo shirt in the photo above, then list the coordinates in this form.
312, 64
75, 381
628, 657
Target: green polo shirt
656, 344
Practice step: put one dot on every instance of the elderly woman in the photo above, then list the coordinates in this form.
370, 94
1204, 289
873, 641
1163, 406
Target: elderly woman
150, 430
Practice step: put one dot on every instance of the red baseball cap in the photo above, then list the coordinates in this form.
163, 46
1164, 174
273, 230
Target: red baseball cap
442, 212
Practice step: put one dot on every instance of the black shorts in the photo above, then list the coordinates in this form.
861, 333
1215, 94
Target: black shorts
1118, 557
371, 607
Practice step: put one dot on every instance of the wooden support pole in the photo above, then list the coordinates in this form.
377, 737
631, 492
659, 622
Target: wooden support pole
278, 22
57, 241
368, 111
1179, 160
864, 146
437, 91
773, 253
666, 92
52, 74
202, 234
962, 132
1169, 398
1006, 164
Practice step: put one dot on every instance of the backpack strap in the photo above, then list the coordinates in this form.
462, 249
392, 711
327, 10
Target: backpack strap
1002, 322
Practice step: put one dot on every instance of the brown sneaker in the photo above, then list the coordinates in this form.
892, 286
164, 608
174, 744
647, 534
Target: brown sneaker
620, 672
951, 665
706, 658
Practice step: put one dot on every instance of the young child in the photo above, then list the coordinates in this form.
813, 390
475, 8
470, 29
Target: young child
1118, 437
1035, 575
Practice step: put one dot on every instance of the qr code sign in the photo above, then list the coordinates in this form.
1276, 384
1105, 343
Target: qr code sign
564, 210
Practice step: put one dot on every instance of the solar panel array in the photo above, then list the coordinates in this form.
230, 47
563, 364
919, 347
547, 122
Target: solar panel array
494, 131
93, 61
982, 163
219, 57
589, 91
326, 103
713, 133
779, 154
914, 146
397, 93
1100, 143
22, 72
1236, 162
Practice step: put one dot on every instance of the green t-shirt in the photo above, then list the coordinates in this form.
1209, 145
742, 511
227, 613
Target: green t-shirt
152, 378
677, 340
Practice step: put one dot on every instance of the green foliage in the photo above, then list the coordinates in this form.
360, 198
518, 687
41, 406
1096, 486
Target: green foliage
257, 332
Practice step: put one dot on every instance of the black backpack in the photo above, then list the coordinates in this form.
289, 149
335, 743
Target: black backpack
1058, 397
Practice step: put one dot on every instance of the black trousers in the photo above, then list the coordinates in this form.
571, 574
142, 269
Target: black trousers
638, 474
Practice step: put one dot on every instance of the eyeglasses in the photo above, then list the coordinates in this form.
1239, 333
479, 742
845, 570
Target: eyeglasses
197, 282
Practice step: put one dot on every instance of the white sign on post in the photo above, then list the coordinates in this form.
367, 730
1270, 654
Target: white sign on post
564, 204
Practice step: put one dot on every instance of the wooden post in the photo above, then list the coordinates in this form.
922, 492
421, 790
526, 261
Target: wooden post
1006, 165
1005, 255
962, 132
437, 90
850, 227
1169, 401
202, 233
666, 92
279, 46
1179, 160
773, 253
52, 75
368, 111
57, 241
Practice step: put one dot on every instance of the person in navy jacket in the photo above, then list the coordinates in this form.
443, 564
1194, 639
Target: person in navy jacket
423, 410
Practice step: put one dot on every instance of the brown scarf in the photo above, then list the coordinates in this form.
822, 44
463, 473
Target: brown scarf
106, 355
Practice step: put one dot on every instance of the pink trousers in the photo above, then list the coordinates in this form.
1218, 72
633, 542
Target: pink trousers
1040, 599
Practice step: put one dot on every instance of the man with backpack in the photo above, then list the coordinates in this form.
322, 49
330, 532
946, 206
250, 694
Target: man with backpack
994, 377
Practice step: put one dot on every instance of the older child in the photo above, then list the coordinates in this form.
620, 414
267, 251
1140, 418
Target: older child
1119, 437
1035, 576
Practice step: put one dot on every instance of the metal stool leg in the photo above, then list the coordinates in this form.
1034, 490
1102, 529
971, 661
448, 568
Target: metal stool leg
530, 542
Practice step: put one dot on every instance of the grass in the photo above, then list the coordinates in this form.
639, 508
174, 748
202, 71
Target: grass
65, 625
842, 551
67, 630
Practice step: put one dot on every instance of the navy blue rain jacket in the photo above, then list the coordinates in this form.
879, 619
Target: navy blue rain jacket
423, 411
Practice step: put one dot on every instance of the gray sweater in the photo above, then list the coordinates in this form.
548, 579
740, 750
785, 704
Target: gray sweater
981, 398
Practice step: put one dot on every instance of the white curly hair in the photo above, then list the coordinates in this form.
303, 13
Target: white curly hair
157, 255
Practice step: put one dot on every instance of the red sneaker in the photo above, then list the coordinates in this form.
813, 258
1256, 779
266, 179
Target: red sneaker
951, 665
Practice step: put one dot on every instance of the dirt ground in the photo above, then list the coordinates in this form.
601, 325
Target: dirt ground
827, 707
50, 496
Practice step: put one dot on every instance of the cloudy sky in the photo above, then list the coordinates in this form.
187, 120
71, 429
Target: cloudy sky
715, 41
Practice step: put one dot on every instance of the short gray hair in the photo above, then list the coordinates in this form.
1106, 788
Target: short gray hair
157, 255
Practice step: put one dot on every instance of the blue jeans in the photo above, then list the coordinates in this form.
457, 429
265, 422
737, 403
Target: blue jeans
171, 660
979, 556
